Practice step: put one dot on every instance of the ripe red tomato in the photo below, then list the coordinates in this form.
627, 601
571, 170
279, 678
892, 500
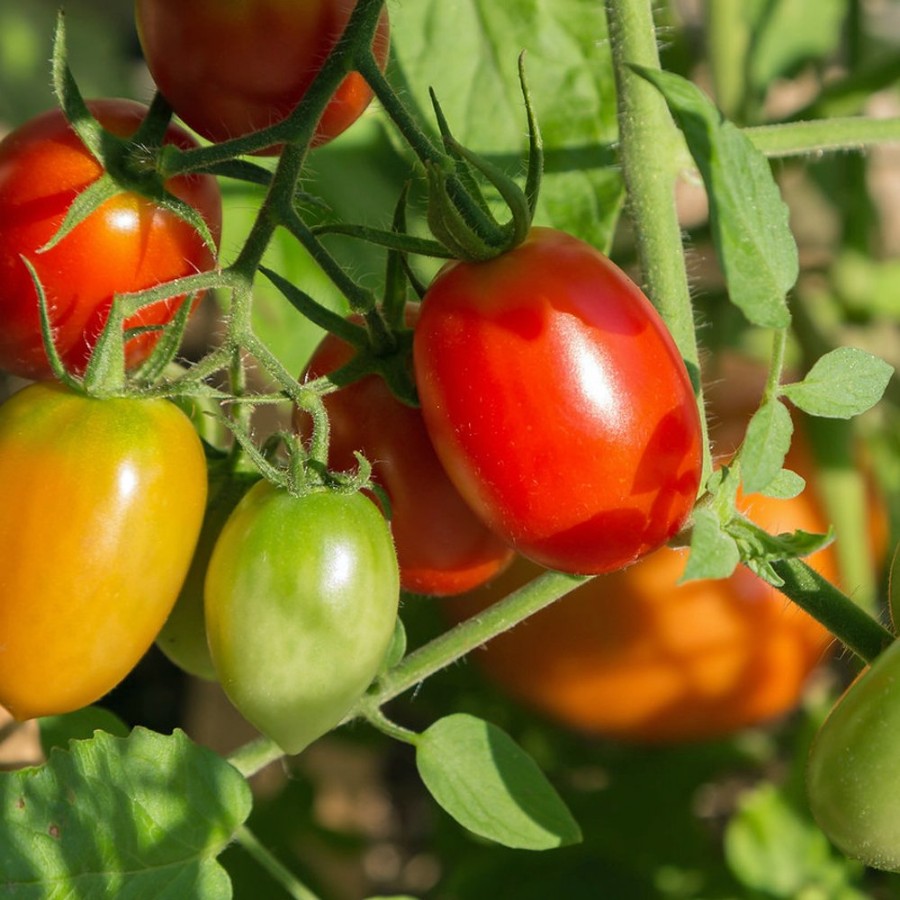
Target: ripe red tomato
636, 656
558, 404
442, 546
128, 244
102, 505
229, 69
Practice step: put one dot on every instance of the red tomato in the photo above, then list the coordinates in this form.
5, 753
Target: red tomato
128, 244
558, 403
442, 546
232, 68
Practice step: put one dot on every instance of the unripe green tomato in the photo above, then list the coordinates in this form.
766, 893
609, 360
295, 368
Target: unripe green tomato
183, 637
853, 776
301, 602
102, 502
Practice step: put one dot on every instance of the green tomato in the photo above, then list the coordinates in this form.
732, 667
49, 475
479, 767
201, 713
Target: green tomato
183, 637
853, 776
301, 601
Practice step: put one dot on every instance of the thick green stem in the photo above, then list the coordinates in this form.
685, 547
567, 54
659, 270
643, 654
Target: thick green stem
650, 150
854, 627
465, 637
823, 135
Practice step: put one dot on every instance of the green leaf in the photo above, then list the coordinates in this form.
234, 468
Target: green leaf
774, 849
475, 75
137, 817
785, 485
714, 553
759, 549
841, 384
482, 778
765, 445
790, 33
748, 218
57, 731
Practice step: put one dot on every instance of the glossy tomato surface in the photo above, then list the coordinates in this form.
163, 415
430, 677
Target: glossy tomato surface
558, 404
127, 244
301, 603
635, 656
102, 506
231, 68
853, 775
443, 548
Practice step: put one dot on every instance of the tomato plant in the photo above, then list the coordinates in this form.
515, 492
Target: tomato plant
638, 656
127, 244
231, 70
853, 775
442, 546
103, 501
558, 404
301, 601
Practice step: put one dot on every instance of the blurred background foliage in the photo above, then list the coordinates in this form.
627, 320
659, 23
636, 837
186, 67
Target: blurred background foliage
714, 820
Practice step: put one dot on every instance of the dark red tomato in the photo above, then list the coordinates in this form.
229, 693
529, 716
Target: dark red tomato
128, 244
558, 404
231, 68
443, 548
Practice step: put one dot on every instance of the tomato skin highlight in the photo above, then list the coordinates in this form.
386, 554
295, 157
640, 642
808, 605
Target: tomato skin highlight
228, 70
301, 602
853, 773
102, 506
443, 548
126, 245
558, 404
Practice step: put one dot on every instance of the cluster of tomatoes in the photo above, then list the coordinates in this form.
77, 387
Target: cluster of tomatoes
558, 428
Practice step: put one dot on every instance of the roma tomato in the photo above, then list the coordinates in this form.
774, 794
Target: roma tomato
443, 548
229, 69
853, 774
127, 244
301, 603
102, 505
558, 404
636, 656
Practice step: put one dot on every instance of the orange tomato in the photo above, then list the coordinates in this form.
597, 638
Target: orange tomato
635, 656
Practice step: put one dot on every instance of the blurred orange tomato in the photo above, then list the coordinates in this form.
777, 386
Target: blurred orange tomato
635, 656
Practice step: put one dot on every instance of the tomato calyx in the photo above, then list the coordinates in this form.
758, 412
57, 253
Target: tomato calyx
459, 216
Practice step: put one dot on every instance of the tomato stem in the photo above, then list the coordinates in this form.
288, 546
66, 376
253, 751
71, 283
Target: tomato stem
379, 720
465, 637
272, 865
853, 627
650, 150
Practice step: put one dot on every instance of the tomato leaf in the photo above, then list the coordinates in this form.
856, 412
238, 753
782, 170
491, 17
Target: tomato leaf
789, 33
569, 71
482, 778
785, 485
765, 445
773, 848
714, 553
144, 816
748, 218
841, 384
57, 731
759, 549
